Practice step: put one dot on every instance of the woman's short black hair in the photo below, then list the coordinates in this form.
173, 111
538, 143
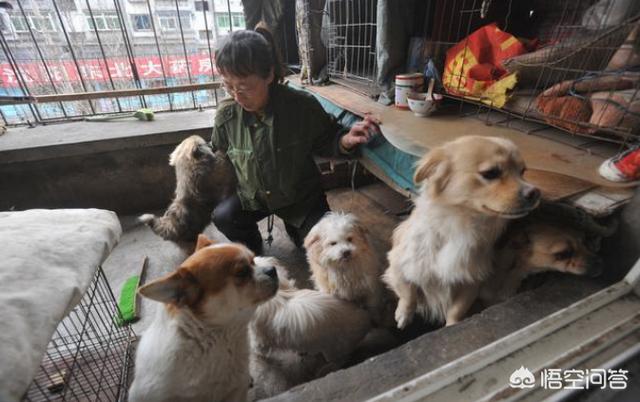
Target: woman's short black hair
246, 52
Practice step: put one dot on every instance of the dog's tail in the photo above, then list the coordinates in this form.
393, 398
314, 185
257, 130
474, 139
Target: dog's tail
164, 228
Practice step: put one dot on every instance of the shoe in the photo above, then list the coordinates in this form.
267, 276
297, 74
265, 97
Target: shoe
623, 167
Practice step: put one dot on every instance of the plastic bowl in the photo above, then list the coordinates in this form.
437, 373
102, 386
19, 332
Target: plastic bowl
422, 106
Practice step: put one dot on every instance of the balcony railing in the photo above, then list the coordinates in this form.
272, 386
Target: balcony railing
66, 60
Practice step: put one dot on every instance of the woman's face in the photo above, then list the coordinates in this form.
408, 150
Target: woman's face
251, 92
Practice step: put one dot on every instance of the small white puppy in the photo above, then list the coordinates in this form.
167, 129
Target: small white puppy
307, 321
197, 348
343, 262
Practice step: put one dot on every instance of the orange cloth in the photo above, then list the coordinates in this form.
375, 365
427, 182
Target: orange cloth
473, 67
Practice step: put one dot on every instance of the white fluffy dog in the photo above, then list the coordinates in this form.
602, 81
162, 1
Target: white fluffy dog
440, 255
343, 262
307, 321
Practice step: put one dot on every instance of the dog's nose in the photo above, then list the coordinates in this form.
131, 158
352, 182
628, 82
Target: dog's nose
271, 272
346, 254
530, 194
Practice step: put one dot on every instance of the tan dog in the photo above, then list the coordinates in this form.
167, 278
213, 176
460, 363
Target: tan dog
469, 188
197, 348
307, 321
533, 248
344, 264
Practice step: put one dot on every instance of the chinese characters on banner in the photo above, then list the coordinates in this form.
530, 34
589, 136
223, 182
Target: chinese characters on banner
34, 72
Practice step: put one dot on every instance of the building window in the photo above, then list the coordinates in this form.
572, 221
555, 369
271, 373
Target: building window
113, 22
37, 23
104, 22
141, 22
186, 21
204, 34
19, 24
238, 20
222, 21
202, 6
41, 23
168, 23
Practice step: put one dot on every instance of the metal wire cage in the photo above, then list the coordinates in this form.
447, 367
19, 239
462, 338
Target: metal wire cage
349, 31
89, 356
581, 69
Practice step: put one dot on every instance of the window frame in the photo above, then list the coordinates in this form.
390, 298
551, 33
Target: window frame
134, 24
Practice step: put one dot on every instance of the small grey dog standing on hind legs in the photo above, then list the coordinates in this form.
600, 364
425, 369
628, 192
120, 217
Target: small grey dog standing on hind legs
203, 179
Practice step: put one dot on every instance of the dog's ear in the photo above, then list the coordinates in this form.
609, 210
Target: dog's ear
311, 238
180, 288
203, 241
362, 231
173, 157
196, 152
436, 167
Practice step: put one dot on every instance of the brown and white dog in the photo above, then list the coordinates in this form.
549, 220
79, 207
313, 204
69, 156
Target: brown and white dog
203, 179
530, 248
197, 347
307, 321
469, 189
343, 262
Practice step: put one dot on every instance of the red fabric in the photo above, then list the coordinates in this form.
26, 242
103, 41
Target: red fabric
481, 55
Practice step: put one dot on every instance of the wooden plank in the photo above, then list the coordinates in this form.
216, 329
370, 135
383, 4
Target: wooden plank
118, 93
416, 135
556, 187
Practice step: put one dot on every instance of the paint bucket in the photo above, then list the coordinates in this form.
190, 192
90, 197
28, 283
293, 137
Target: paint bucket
405, 84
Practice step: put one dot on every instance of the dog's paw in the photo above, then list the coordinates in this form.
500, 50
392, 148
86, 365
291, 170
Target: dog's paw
403, 316
146, 218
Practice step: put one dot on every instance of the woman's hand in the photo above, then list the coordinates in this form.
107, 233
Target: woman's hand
360, 132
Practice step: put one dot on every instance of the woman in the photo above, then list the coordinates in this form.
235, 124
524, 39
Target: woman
270, 133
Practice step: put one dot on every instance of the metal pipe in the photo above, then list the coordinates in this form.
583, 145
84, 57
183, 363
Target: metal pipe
186, 57
16, 72
155, 37
104, 57
129, 50
73, 54
230, 18
206, 27
44, 64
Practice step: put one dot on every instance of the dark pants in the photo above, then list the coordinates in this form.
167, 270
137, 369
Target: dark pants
241, 226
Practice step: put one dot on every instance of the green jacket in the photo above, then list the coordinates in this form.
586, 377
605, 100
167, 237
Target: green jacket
273, 156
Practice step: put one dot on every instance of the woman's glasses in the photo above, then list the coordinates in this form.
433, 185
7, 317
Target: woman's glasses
239, 90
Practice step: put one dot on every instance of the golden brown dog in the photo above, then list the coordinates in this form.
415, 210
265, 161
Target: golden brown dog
533, 248
469, 189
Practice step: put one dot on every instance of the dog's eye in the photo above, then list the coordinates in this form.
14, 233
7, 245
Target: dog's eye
333, 243
244, 272
563, 255
491, 174
349, 239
